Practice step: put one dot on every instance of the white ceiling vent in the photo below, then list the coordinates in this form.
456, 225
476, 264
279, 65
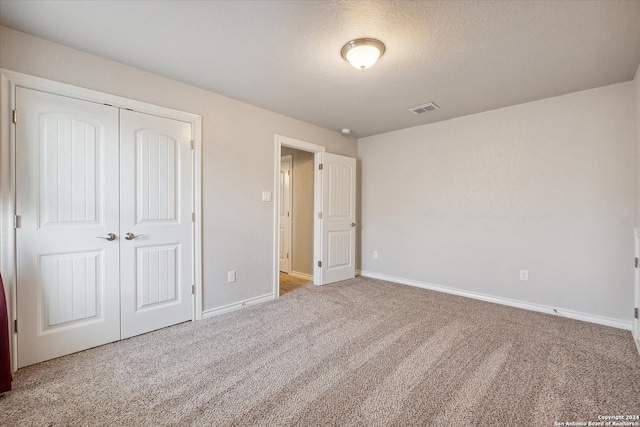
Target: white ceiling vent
419, 109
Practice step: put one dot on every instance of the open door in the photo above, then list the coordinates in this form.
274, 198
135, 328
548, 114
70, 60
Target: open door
636, 280
336, 223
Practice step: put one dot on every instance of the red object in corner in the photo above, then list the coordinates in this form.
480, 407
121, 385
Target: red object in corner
5, 360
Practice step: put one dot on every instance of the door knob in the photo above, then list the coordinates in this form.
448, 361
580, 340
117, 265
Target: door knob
353, 224
131, 236
109, 237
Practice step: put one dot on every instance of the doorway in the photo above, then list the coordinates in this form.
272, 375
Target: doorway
296, 218
334, 213
303, 158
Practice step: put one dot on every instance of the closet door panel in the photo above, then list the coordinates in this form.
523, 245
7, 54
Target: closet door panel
67, 201
156, 221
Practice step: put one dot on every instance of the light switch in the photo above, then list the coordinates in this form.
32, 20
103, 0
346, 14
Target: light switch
266, 196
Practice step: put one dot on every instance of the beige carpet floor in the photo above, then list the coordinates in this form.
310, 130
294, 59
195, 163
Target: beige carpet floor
290, 283
358, 353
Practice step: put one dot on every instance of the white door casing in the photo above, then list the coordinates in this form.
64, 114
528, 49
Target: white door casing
67, 202
285, 211
338, 212
156, 205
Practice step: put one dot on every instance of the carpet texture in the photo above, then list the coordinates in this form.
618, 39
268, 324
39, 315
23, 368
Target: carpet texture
290, 283
358, 353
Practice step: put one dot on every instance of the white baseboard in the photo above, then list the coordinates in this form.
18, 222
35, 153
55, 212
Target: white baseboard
577, 315
301, 275
236, 306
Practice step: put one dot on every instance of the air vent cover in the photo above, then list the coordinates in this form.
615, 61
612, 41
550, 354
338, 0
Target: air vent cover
419, 109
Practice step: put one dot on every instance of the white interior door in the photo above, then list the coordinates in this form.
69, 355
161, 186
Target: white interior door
67, 203
156, 222
338, 222
285, 213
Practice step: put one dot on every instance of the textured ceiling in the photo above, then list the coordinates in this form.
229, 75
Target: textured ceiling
284, 56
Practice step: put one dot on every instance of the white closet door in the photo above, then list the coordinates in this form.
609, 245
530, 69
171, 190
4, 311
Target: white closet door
67, 202
338, 243
156, 208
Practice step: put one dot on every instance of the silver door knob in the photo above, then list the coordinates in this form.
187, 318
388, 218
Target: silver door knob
109, 237
131, 236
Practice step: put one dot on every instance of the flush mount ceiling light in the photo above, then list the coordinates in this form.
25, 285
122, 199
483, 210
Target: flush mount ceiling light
363, 53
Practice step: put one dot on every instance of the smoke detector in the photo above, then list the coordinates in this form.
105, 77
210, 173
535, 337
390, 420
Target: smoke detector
345, 132
419, 109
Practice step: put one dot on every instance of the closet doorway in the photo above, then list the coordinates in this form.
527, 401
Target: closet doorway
103, 218
104, 244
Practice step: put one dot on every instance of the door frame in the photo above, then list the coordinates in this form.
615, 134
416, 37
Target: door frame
9, 80
317, 150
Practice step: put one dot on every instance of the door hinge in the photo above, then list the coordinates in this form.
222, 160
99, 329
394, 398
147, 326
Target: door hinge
287, 256
636, 262
193, 289
319, 215
319, 263
635, 313
193, 145
15, 326
15, 116
193, 217
16, 221
320, 166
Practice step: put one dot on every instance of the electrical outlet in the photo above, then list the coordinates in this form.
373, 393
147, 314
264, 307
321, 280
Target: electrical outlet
524, 275
231, 276
375, 254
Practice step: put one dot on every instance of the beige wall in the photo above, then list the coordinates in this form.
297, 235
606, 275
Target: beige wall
546, 186
238, 157
302, 202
